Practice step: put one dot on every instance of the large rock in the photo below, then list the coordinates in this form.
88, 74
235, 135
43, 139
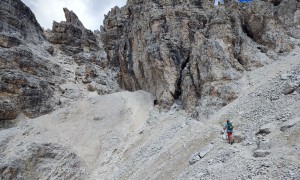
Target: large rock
200, 154
266, 129
191, 51
261, 153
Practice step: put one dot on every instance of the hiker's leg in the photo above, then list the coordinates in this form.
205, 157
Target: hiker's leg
230, 137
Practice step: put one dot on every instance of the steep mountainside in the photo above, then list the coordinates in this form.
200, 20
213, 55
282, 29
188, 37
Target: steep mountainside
194, 51
62, 117
37, 76
26, 78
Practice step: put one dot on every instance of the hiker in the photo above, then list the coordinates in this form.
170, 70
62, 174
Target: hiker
229, 129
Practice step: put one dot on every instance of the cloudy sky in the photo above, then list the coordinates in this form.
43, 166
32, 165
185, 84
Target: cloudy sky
90, 12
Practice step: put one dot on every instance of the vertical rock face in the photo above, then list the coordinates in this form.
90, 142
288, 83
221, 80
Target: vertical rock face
193, 51
72, 35
17, 20
25, 76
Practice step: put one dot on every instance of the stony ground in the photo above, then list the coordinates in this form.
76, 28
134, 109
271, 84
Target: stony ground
125, 136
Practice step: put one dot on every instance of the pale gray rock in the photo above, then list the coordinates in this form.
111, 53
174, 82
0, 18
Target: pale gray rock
285, 76
261, 153
288, 124
266, 129
194, 158
264, 144
198, 155
206, 150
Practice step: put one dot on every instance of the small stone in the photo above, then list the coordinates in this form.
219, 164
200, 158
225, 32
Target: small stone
91, 87
198, 155
194, 158
261, 153
266, 129
264, 144
285, 76
50, 49
289, 124
206, 150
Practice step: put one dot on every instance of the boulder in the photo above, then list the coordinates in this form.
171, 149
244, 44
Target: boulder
266, 129
264, 144
261, 153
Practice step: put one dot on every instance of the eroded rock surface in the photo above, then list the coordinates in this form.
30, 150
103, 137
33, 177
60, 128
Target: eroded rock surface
195, 52
26, 77
39, 161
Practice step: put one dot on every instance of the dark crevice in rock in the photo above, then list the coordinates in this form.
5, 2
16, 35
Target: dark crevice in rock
247, 31
276, 2
178, 90
239, 59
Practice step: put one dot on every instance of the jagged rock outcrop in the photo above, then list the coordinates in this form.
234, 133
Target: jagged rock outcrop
26, 78
72, 35
86, 50
194, 51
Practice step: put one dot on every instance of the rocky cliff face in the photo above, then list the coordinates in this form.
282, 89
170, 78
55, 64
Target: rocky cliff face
18, 22
191, 51
26, 83
36, 76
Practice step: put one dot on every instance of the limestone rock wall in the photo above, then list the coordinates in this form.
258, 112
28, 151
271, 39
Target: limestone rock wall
192, 51
27, 77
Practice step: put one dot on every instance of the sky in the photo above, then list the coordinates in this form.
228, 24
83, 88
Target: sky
90, 12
